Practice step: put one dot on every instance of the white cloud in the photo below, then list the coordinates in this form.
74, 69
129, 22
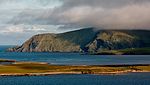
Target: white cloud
36, 29
32, 29
12, 29
30, 4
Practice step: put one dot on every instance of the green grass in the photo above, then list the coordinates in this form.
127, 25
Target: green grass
129, 51
136, 51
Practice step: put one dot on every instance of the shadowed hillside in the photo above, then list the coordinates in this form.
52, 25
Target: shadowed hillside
80, 37
86, 40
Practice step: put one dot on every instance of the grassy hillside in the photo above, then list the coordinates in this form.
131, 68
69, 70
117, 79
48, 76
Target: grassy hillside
119, 39
142, 36
129, 51
80, 37
136, 51
86, 40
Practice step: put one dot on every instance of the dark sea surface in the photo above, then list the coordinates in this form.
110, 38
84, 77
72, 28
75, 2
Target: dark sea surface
125, 79
74, 58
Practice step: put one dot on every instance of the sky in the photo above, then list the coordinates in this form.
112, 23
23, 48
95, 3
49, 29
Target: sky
21, 19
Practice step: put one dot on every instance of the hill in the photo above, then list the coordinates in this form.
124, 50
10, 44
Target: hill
86, 40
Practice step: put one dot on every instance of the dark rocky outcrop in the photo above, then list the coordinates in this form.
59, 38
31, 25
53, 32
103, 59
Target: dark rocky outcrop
86, 40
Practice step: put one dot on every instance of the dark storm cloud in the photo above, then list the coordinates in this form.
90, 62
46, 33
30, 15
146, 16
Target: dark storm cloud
99, 13
102, 3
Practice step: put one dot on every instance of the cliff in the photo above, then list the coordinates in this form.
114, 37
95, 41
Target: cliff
86, 40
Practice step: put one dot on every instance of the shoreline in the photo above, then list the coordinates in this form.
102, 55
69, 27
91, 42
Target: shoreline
67, 73
44, 69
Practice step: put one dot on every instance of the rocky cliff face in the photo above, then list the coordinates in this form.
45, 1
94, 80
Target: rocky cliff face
108, 40
86, 40
46, 43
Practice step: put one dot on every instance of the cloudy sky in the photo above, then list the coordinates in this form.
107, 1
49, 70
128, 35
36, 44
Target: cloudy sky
20, 19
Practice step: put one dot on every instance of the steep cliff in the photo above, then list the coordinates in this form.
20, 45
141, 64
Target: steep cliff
86, 40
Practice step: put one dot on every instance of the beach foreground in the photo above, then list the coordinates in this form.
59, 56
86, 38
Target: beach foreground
36, 69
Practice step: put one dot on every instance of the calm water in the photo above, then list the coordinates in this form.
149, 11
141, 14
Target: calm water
126, 79
75, 58
4, 47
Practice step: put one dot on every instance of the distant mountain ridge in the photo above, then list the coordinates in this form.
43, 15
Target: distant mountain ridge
86, 40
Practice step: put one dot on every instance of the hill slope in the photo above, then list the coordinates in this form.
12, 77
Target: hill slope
86, 40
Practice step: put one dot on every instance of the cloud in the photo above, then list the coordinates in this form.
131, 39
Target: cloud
131, 16
102, 3
115, 14
20, 19
29, 29
32, 4
12, 29
17, 34
36, 29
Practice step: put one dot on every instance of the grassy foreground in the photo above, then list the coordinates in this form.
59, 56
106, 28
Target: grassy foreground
26, 68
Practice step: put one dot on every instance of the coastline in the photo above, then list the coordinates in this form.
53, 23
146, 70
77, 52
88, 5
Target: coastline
16, 68
43, 69
59, 73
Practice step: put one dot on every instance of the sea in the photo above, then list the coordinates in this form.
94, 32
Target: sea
76, 59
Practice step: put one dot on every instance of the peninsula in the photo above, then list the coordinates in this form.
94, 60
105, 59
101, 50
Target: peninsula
91, 41
36, 69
